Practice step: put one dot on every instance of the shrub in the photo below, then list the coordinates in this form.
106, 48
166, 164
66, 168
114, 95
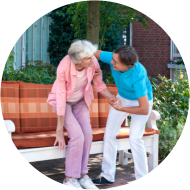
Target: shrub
171, 100
9, 66
168, 137
109, 78
33, 72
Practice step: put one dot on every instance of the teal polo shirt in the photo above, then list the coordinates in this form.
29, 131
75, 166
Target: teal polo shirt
133, 83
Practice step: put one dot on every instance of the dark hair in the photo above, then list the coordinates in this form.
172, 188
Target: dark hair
127, 55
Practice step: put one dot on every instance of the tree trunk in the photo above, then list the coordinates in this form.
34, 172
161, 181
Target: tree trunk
93, 21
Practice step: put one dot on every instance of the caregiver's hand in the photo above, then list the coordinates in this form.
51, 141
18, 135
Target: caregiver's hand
60, 139
115, 103
97, 72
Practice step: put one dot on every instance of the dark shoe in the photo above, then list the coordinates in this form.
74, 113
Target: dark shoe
100, 180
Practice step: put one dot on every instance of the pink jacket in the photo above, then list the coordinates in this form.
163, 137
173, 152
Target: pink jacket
65, 83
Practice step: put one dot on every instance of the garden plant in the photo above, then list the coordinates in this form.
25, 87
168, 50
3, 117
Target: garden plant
32, 72
171, 100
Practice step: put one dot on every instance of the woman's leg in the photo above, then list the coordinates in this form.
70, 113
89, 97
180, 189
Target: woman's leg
137, 127
75, 145
81, 113
115, 119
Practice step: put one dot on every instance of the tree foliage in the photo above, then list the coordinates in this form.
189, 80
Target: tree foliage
61, 34
113, 17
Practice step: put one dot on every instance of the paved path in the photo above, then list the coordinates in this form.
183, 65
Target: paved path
55, 169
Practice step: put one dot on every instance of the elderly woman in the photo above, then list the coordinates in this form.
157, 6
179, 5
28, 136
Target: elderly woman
136, 96
71, 97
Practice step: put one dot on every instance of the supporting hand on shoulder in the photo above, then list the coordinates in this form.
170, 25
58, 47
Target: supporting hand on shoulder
97, 72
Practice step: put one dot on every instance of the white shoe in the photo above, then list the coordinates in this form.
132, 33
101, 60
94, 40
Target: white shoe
73, 183
87, 183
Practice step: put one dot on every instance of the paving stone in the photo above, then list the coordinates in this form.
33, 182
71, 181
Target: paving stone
55, 170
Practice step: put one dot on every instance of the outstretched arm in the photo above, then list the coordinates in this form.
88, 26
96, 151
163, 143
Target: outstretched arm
142, 109
97, 54
113, 101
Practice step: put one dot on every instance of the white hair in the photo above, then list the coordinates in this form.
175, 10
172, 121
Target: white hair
81, 49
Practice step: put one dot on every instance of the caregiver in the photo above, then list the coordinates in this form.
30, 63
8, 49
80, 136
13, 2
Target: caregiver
71, 97
135, 93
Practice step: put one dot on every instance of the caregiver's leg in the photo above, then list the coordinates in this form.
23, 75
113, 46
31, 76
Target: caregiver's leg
137, 127
75, 145
81, 113
115, 119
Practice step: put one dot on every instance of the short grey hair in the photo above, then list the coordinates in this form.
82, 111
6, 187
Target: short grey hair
81, 49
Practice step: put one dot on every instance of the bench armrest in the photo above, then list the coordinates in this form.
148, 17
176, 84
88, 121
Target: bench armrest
154, 115
10, 126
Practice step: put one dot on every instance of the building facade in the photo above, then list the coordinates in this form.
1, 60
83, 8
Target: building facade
155, 49
33, 43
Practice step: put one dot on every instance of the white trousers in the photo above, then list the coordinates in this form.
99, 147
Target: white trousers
137, 127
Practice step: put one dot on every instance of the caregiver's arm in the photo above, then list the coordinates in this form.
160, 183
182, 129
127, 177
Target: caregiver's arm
97, 54
142, 109
107, 94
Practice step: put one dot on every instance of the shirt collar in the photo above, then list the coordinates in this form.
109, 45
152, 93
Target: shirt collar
128, 72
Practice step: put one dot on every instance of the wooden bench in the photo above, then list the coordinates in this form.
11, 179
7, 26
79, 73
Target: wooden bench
31, 123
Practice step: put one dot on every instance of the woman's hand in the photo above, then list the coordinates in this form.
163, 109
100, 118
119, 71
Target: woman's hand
115, 103
97, 72
60, 139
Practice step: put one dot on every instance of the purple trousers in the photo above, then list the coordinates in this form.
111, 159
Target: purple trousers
77, 124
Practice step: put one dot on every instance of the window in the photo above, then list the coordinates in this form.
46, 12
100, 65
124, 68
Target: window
175, 54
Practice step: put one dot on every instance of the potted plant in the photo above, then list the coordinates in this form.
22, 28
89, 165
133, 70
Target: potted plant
176, 64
